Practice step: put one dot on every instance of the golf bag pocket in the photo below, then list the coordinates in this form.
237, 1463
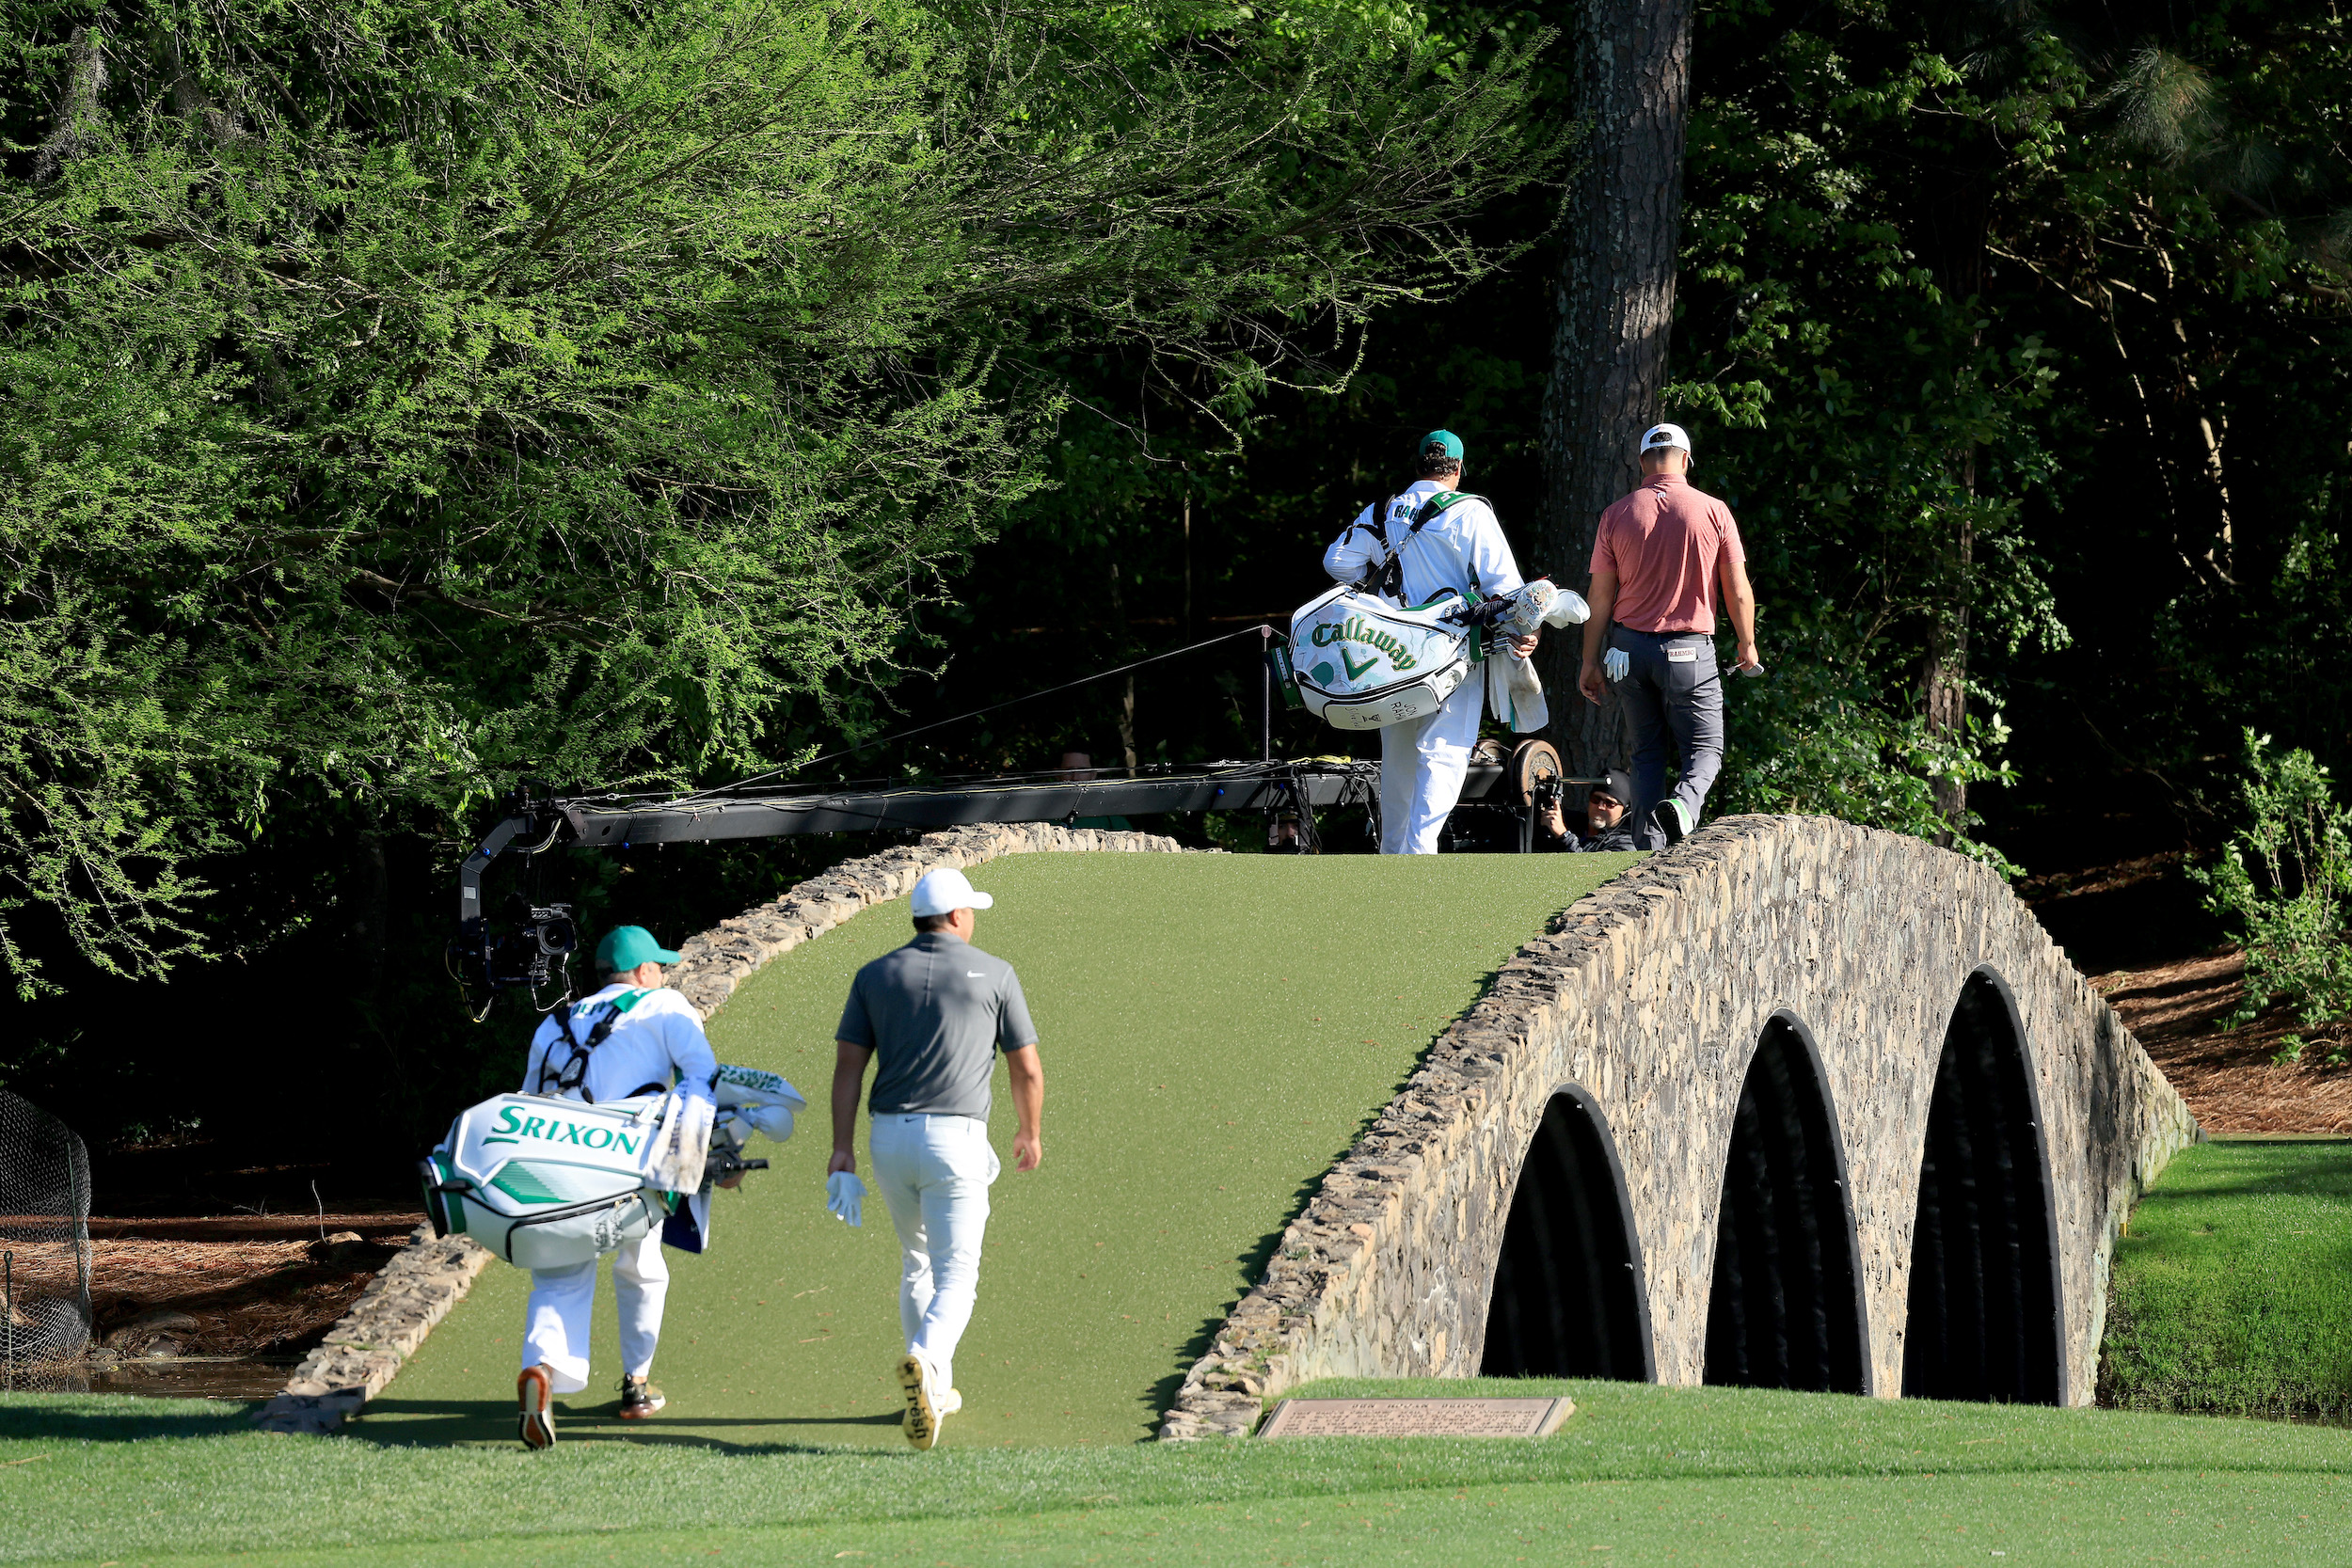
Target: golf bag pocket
1361, 663
546, 1183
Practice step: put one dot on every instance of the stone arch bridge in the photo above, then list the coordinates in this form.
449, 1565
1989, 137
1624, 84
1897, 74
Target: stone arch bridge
1795, 1103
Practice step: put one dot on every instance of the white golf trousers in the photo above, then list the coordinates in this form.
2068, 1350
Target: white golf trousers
1421, 764
555, 1323
934, 1173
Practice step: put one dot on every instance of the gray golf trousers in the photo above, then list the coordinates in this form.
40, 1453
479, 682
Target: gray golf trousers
1674, 695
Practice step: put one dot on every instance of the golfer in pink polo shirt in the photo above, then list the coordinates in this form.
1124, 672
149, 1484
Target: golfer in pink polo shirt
1656, 561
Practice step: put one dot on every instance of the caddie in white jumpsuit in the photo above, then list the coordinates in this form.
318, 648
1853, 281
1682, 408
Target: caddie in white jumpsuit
934, 1014
1423, 761
657, 1037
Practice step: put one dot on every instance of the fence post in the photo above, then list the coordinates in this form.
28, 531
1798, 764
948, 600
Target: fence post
1265, 694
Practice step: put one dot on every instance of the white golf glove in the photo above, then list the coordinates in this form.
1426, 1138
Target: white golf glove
1614, 663
844, 1196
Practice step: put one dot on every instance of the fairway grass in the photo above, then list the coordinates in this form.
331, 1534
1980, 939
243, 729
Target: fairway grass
1646, 1475
2233, 1285
1215, 1032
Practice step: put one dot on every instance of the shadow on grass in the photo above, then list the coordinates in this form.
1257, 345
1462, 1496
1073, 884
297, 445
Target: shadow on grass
112, 1419
443, 1423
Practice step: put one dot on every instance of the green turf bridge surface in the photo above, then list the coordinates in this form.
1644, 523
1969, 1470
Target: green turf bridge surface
1215, 1029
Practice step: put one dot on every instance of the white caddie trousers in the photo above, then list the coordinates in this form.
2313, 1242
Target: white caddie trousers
1421, 764
555, 1322
934, 1172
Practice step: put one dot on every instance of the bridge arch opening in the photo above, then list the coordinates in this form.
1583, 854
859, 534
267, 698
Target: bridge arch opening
1982, 1321
1783, 1310
1567, 1297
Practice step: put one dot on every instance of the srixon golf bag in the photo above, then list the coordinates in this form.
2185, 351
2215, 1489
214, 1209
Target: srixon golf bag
545, 1182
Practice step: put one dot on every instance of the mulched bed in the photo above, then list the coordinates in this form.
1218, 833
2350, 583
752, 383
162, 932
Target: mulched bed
2139, 927
2228, 1075
234, 1284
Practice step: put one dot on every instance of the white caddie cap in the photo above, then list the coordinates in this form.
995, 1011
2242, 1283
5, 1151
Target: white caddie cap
1660, 437
945, 890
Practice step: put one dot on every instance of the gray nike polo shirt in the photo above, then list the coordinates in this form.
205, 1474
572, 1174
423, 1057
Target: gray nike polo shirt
935, 1013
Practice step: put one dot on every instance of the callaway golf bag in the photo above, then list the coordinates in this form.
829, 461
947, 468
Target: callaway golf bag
1359, 663
545, 1182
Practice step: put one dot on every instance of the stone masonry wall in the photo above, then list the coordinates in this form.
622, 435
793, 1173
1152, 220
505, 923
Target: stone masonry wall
417, 1289
1651, 996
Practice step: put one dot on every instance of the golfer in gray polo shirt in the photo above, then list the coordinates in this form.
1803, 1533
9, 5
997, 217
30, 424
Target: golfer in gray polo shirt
935, 1012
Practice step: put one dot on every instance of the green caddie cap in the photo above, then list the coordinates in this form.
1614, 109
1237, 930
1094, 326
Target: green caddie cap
625, 947
1445, 440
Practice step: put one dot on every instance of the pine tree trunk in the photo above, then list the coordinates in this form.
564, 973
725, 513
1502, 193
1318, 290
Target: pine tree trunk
1956, 217
1613, 312
1944, 681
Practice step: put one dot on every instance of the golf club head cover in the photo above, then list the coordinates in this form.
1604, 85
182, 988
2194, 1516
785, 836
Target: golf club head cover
845, 1197
773, 1122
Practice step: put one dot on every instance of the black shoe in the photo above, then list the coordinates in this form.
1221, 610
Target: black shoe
638, 1399
1668, 816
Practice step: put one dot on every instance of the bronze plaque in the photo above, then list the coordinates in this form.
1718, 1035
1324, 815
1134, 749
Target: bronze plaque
1416, 1418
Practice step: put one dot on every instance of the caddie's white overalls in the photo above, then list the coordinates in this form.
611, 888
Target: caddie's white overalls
660, 1036
1423, 761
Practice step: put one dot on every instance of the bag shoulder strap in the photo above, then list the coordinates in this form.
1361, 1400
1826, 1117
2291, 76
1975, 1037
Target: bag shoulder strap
574, 1073
1443, 502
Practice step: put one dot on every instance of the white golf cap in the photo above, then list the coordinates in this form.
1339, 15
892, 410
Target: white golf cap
1663, 436
946, 890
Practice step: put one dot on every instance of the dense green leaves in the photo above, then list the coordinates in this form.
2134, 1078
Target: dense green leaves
402, 398
2284, 883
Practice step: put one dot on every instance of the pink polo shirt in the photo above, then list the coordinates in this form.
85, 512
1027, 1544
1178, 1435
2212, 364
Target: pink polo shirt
1664, 542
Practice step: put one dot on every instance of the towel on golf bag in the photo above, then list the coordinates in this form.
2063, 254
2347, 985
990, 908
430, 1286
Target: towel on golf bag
749, 1100
1515, 694
682, 1144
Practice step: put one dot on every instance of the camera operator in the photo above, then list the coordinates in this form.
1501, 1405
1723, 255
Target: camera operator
1604, 816
630, 1040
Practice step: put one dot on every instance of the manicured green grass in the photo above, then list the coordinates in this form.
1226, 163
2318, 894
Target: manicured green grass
1216, 1029
2233, 1285
1650, 1475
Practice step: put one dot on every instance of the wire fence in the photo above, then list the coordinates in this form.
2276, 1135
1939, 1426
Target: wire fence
44, 1248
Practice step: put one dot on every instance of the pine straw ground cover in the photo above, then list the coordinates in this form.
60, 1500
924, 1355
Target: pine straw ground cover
2232, 1078
1639, 1475
244, 1298
2233, 1285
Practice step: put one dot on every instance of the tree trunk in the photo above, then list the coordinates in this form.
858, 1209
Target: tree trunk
1613, 312
1955, 222
1944, 682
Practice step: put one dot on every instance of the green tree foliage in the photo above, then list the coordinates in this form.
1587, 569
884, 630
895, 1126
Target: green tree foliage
2285, 882
402, 398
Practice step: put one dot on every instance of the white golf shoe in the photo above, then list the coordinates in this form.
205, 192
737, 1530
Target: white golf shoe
926, 1402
